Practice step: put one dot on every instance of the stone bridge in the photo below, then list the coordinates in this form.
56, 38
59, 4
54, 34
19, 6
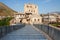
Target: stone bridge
27, 32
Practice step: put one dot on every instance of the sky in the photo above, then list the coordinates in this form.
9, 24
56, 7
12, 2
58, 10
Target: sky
44, 6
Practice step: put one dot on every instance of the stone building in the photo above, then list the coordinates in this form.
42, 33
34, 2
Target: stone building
29, 16
51, 18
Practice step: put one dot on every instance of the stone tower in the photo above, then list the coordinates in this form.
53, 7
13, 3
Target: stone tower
31, 8
32, 15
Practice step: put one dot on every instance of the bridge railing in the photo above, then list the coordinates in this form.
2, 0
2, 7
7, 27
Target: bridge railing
53, 32
7, 29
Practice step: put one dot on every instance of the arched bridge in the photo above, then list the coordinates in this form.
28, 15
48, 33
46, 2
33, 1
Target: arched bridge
25, 32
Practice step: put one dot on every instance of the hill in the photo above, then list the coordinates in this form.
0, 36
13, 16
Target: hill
5, 10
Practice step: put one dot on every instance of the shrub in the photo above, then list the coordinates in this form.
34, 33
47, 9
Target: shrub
5, 21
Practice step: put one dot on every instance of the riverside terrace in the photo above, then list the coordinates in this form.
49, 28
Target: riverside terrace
29, 32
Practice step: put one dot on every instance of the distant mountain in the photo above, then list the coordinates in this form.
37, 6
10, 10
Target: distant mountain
5, 10
54, 13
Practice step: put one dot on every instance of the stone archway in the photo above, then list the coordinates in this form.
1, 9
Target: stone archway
21, 21
28, 20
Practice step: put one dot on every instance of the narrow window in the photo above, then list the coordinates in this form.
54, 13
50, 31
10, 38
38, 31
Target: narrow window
35, 6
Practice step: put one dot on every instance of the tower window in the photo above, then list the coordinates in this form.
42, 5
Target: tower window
34, 10
35, 6
30, 6
29, 10
27, 6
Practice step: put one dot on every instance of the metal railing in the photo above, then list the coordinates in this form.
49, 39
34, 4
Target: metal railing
54, 33
7, 29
